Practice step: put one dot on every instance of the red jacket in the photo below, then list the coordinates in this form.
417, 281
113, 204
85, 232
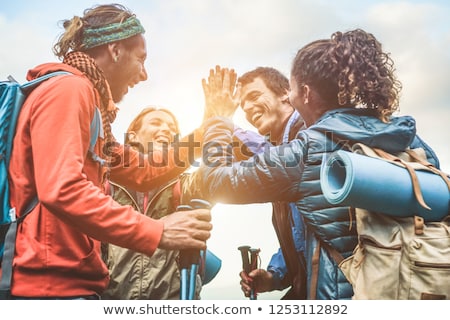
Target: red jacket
58, 244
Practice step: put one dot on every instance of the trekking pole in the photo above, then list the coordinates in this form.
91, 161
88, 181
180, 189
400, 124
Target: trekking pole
184, 264
249, 263
254, 254
190, 258
195, 261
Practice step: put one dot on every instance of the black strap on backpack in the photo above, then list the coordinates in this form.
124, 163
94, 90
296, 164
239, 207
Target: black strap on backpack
8, 254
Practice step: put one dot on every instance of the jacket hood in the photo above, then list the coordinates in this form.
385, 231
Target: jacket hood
362, 125
46, 68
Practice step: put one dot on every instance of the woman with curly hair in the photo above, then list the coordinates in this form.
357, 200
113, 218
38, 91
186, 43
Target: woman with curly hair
346, 91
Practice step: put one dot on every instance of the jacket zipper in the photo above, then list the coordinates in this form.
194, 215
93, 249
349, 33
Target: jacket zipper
158, 193
129, 194
151, 200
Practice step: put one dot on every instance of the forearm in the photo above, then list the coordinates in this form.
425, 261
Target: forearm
270, 176
143, 172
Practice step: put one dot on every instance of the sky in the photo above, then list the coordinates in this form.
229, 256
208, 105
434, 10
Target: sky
187, 38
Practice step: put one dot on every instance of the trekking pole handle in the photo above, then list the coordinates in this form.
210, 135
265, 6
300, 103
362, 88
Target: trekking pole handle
200, 204
254, 258
245, 258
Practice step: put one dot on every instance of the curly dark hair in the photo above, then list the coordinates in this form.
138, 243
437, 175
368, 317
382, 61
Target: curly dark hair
350, 70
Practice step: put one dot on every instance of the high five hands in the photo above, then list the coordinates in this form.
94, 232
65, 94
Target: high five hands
222, 93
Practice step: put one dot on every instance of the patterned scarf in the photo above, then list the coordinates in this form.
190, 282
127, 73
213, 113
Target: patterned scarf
108, 109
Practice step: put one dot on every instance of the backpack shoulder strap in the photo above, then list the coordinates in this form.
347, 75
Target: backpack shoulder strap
337, 257
30, 85
96, 131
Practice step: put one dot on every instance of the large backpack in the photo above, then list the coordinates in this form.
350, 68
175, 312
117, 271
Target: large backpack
401, 204
12, 97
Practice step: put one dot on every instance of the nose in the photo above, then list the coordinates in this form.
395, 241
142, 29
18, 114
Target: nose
164, 127
143, 74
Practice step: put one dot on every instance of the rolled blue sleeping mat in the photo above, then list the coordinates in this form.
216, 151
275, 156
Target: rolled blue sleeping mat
350, 179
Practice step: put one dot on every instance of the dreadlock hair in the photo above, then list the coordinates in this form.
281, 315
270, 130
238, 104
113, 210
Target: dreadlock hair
97, 16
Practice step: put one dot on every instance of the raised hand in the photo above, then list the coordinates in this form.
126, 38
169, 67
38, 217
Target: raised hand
186, 230
222, 94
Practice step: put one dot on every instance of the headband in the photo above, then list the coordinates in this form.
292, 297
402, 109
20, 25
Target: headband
97, 36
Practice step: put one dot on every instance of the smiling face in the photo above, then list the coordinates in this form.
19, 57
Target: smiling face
157, 128
129, 69
264, 109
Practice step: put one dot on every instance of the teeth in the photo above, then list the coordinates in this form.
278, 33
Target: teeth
162, 139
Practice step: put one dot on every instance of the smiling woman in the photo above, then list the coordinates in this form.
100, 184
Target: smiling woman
135, 275
152, 128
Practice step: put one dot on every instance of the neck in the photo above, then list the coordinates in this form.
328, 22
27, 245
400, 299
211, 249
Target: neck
276, 135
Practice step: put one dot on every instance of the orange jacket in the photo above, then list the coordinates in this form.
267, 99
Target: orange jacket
58, 244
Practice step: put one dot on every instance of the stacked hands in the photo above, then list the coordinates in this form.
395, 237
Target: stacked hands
222, 93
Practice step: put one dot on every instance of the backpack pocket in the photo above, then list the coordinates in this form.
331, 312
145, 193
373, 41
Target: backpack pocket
428, 275
378, 274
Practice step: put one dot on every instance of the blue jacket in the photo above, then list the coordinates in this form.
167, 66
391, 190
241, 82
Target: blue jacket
277, 265
291, 173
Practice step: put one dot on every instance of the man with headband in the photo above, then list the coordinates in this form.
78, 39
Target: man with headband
58, 252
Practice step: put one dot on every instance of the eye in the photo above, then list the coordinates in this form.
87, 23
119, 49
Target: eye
154, 122
173, 130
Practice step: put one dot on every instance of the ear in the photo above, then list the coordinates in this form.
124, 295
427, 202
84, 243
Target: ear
132, 136
285, 97
305, 93
114, 51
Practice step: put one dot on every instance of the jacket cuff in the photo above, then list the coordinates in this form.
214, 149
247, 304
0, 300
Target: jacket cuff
277, 279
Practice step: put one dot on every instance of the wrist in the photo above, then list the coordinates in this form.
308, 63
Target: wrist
276, 280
